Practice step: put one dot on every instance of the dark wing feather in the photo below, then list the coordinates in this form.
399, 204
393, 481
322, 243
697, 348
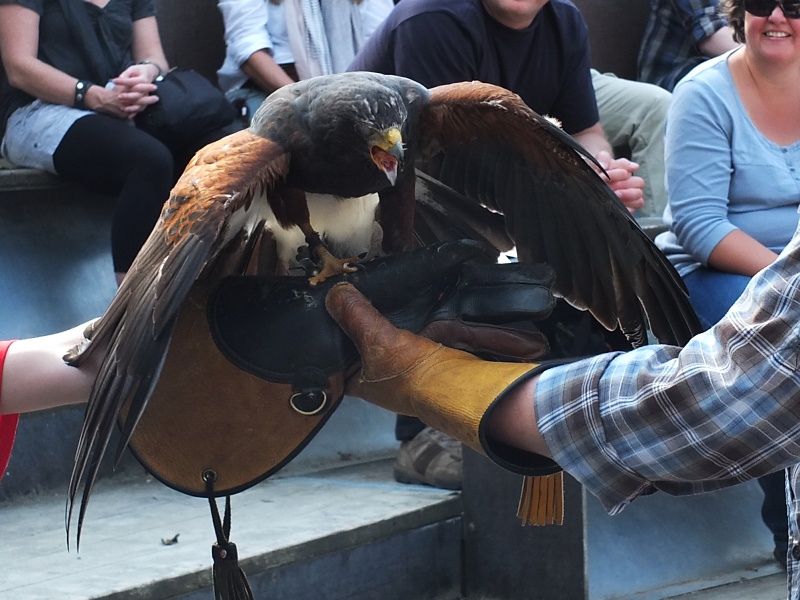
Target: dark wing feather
491, 150
210, 209
443, 215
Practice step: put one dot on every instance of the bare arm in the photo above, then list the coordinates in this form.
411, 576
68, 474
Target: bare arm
739, 253
513, 421
719, 42
262, 69
35, 376
136, 82
19, 43
594, 140
146, 45
247, 39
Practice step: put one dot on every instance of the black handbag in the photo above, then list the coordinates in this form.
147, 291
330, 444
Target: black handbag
189, 107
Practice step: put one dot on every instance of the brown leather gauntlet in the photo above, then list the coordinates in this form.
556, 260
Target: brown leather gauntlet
449, 390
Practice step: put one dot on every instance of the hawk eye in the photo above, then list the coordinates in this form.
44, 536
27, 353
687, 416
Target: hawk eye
363, 129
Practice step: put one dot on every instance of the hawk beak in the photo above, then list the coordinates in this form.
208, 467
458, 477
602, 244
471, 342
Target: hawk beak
387, 153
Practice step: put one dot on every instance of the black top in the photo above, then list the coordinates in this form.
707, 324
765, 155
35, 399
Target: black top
444, 41
62, 47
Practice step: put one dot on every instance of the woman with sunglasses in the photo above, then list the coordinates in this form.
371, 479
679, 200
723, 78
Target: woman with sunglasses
732, 157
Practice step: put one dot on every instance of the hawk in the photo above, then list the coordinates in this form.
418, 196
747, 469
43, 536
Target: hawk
311, 163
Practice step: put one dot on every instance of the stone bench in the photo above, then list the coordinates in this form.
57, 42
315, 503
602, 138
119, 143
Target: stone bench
17, 179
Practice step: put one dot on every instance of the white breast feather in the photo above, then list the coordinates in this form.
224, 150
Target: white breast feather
345, 225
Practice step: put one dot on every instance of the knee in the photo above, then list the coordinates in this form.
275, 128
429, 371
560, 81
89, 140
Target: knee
654, 106
658, 104
153, 161
652, 119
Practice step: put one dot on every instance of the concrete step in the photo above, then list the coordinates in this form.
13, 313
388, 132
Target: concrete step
340, 533
768, 587
346, 533
663, 546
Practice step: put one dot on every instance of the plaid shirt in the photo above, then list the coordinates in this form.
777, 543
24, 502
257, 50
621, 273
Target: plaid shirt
722, 410
671, 38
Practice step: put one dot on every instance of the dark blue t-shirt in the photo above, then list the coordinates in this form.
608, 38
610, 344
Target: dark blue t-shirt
443, 41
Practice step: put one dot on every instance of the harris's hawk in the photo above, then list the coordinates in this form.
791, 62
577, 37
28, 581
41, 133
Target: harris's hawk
493, 166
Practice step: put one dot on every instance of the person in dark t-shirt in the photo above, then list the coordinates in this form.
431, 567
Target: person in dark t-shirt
538, 49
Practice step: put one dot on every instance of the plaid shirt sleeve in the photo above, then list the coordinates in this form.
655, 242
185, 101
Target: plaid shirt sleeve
672, 36
724, 409
701, 18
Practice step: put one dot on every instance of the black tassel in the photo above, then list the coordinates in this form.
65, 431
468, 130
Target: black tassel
229, 580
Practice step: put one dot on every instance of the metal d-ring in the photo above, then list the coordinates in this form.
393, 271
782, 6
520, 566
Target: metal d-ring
294, 397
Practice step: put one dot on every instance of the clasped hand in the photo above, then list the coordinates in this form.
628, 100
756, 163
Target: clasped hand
131, 93
619, 174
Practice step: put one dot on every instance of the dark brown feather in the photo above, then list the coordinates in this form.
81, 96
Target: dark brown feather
303, 138
485, 144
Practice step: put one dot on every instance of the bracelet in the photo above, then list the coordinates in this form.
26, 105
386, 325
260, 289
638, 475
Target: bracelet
150, 62
81, 88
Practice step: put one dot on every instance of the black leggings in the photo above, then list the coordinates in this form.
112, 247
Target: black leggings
113, 157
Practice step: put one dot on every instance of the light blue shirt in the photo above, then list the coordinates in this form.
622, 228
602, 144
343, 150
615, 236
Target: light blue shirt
722, 174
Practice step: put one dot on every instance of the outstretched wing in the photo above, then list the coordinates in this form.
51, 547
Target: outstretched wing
210, 210
485, 150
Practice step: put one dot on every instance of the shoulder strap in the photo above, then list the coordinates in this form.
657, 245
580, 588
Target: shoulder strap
95, 54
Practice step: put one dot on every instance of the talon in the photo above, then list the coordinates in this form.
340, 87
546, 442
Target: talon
330, 266
91, 327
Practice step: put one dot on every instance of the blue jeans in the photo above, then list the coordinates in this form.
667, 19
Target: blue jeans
246, 100
712, 293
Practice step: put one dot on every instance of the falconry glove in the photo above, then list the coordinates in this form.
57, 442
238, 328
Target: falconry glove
492, 309
449, 390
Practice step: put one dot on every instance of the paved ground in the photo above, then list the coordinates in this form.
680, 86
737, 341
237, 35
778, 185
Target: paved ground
124, 549
771, 587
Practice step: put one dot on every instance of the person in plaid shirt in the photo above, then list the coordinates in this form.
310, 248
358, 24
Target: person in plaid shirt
679, 35
722, 410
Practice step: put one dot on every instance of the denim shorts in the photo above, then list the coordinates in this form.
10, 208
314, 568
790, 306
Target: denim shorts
35, 130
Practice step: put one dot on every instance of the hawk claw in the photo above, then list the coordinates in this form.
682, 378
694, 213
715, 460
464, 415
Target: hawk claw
73, 355
330, 266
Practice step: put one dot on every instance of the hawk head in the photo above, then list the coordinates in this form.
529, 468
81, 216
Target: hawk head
386, 150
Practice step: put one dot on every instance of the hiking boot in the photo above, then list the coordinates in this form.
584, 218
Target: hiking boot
431, 458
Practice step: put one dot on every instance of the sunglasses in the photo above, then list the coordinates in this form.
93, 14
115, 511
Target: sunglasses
764, 8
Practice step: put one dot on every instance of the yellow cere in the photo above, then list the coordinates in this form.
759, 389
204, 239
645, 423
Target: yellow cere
393, 137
